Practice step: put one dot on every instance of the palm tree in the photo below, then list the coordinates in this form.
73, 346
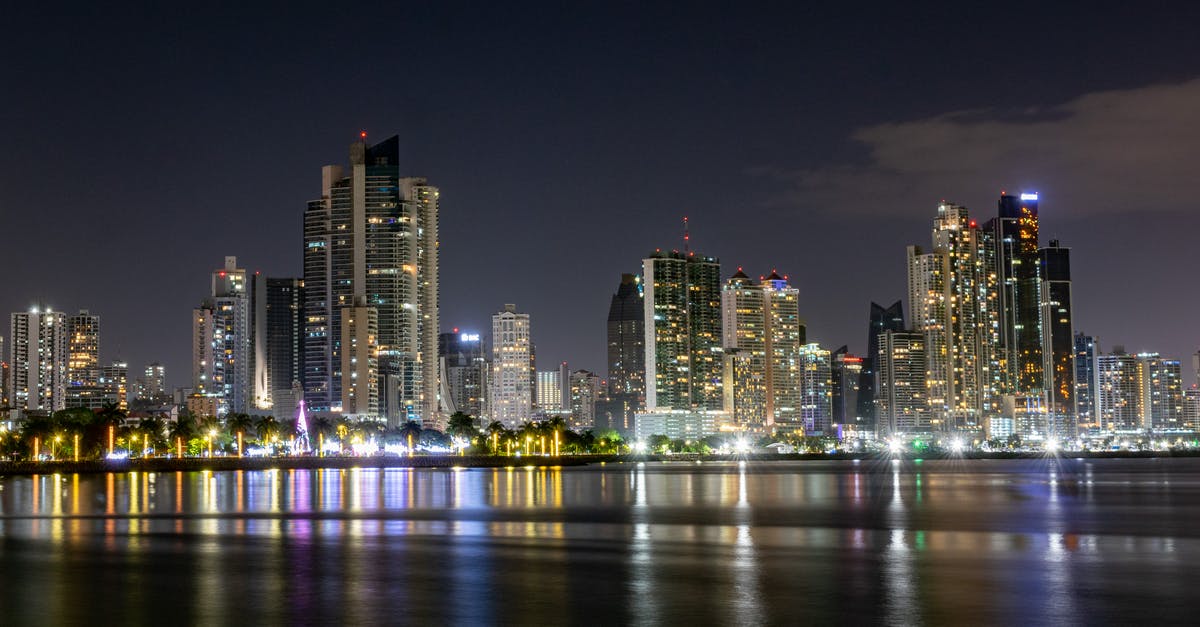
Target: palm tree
181, 431
322, 427
152, 430
267, 428
461, 426
111, 417
37, 430
238, 424
411, 431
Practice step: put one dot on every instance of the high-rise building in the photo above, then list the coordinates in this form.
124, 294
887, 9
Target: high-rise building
83, 349
152, 385
222, 334
208, 370
1119, 391
279, 343
947, 290
1191, 408
816, 398
882, 319
846, 374
900, 383
38, 360
1058, 340
627, 350
1086, 350
683, 331
585, 392
114, 383
373, 237
1162, 393
745, 389
511, 391
1013, 237
549, 390
464, 373
360, 366
762, 321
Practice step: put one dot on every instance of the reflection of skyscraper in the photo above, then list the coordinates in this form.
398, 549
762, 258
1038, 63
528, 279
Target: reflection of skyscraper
627, 350
683, 331
372, 237
1058, 340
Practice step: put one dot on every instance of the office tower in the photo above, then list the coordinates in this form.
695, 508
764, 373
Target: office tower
1162, 393
511, 392
816, 398
359, 353
83, 349
1119, 391
945, 286
279, 341
900, 383
1086, 350
846, 374
1058, 340
1013, 237
549, 391
627, 349
373, 237
882, 319
38, 360
763, 320
114, 384
683, 331
221, 341
585, 392
464, 373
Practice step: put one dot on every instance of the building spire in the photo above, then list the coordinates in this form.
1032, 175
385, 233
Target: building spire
686, 237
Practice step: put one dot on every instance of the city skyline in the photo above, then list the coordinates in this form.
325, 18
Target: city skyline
798, 165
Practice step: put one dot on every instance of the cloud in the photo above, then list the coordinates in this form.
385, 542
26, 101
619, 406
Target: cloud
1123, 150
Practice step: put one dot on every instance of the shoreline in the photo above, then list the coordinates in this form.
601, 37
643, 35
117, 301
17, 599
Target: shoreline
223, 464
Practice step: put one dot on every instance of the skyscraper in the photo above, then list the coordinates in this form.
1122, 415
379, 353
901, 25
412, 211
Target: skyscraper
683, 331
627, 349
38, 360
881, 319
1086, 350
152, 385
511, 390
282, 316
222, 334
372, 237
1119, 391
549, 391
114, 384
1013, 236
762, 321
1162, 393
208, 372
359, 353
901, 383
464, 373
816, 398
1058, 340
585, 392
83, 349
846, 374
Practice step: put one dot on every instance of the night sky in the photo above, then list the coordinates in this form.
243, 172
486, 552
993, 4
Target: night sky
140, 146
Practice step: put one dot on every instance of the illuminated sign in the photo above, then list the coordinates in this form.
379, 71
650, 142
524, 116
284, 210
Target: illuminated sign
1032, 196
469, 337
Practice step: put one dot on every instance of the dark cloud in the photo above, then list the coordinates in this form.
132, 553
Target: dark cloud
1109, 151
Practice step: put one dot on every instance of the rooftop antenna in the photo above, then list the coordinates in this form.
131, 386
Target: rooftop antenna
686, 237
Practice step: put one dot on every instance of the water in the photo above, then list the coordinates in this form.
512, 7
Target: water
989, 542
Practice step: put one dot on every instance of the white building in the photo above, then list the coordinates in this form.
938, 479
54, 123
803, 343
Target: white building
38, 360
676, 424
511, 387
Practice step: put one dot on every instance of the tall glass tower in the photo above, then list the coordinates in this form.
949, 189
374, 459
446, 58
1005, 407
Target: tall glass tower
682, 312
1058, 340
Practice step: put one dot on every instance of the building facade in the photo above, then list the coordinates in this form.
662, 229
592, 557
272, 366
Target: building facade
900, 383
511, 387
626, 327
1058, 341
464, 373
682, 313
37, 378
881, 319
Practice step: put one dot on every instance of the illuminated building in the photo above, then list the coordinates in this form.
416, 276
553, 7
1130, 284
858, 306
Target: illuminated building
816, 396
1191, 409
222, 336
38, 360
1058, 340
549, 390
1119, 391
948, 301
152, 385
762, 322
881, 319
1162, 393
279, 344
677, 424
683, 331
585, 393
844, 382
114, 383
464, 373
511, 389
626, 352
1013, 238
1086, 350
360, 365
901, 383
373, 237
83, 349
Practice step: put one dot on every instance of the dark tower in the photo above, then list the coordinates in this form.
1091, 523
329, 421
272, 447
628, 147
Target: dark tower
1014, 236
626, 353
1058, 341
882, 319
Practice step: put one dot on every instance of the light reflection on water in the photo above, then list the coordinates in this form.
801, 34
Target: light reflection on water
1009, 542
